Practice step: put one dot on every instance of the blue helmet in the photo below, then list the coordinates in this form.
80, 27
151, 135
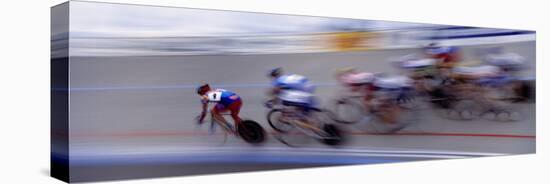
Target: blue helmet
435, 48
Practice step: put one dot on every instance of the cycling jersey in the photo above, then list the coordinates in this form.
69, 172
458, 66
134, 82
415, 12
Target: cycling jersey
297, 98
293, 82
446, 54
506, 61
389, 88
417, 63
441, 50
221, 96
395, 82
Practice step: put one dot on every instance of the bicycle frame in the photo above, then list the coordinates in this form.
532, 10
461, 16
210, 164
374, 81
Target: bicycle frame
305, 128
228, 128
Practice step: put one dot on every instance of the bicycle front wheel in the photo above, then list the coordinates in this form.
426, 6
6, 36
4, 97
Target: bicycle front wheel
274, 118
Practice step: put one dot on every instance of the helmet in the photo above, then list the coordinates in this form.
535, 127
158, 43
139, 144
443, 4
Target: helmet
202, 88
275, 72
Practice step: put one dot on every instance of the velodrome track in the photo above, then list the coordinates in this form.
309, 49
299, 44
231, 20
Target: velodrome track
133, 116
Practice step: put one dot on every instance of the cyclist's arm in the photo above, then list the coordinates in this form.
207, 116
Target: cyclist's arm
369, 90
204, 101
274, 91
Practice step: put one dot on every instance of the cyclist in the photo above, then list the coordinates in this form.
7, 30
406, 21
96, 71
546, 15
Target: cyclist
469, 79
295, 93
380, 93
353, 80
356, 82
386, 92
448, 56
424, 74
282, 83
225, 101
483, 84
510, 64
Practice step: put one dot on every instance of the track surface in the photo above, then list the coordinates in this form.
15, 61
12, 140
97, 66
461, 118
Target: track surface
145, 106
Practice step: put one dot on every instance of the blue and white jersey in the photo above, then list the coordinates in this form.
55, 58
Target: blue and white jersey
393, 83
418, 63
441, 50
297, 97
293, 82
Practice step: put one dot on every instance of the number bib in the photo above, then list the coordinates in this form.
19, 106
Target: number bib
215, 96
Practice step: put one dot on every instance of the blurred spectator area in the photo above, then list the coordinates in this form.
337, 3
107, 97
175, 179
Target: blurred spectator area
292, 43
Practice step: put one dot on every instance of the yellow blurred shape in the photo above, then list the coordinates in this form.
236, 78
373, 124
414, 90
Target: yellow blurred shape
355, 40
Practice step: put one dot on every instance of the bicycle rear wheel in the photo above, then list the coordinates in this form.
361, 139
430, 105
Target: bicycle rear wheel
251, 132
334, 135
406, 118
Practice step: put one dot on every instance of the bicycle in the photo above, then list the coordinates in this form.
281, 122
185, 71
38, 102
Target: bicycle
480, 100
284, 119
249, 130
352, 109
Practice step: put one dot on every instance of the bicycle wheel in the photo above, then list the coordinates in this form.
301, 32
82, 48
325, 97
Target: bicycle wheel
274, 119
251, 132
406, 118
440, 98
347, 111
467, 110
334, 136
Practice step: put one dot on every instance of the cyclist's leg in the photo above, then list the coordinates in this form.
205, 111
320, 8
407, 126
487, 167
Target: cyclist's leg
307, 110
367, 100
235, 109
389, 109
391, 114
216, 113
